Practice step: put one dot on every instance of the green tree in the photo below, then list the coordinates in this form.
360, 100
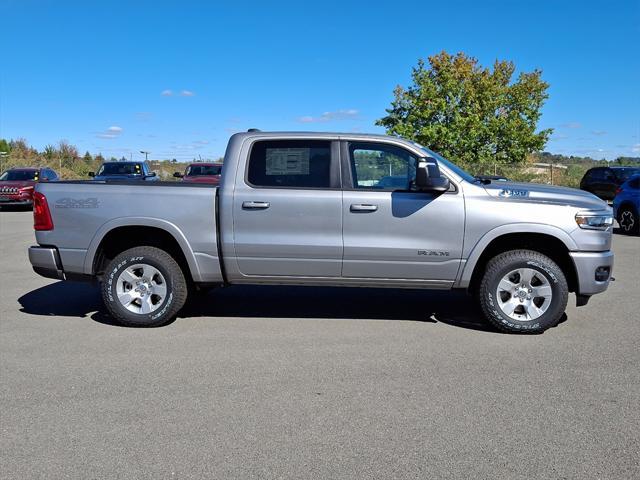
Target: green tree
471, 114
4, 146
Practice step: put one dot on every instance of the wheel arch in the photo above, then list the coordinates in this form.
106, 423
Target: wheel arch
120, 234
546, 239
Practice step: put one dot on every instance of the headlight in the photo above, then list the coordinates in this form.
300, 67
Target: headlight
594, 222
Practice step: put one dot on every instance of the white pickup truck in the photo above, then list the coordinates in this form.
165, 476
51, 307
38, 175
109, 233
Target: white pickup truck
328, 209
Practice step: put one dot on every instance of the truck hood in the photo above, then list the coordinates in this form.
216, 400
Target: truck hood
549, 194
213, 179
16, 184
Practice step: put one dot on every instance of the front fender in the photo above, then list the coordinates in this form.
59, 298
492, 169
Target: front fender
469, 265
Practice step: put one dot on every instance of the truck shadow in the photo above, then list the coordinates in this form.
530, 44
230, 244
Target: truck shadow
453, 308
70, 299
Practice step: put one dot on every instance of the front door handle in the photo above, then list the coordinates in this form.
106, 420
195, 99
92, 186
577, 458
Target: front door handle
363, 208
255, 205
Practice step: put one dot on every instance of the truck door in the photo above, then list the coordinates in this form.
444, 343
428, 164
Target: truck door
287, 210
390, 231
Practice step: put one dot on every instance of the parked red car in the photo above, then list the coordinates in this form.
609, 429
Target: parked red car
16, 184
201, 173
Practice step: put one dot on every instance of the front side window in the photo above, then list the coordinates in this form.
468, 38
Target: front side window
290, 163
381, 167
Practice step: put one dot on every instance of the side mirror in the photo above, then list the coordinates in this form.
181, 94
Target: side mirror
428, 178
92, 174
178, 175
151, 174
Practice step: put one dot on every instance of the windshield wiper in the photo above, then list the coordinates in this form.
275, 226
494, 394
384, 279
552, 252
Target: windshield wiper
484, 181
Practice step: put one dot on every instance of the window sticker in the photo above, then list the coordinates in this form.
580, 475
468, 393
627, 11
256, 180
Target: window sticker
287, 161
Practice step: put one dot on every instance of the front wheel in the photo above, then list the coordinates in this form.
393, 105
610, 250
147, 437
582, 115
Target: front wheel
144, 287
523, 291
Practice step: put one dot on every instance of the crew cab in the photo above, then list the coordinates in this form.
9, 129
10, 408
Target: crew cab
310, 209
124, 171
16, 184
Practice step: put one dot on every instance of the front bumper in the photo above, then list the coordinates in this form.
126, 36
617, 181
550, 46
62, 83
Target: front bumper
15, 200
593, 270
46, 262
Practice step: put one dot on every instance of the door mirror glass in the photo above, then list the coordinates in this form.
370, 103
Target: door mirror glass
92, 174
177, 175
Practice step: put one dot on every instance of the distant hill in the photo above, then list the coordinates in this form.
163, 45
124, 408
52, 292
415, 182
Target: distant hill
548, 157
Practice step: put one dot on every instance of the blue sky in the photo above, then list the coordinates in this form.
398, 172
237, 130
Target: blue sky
177, 78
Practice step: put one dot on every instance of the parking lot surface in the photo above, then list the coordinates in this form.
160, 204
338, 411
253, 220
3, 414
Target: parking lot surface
280, 382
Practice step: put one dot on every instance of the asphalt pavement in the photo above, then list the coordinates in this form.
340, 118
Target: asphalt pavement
280, 382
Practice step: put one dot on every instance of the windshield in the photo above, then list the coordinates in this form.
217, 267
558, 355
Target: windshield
117, 168
195, 170
18, 175
451, 166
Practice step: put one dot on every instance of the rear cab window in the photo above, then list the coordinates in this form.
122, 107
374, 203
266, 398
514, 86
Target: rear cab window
291, 164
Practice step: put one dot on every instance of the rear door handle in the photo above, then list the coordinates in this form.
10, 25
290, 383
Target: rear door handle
363, 208
255, 205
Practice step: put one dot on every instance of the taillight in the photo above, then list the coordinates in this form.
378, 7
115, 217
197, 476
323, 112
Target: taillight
41, 214
618, 190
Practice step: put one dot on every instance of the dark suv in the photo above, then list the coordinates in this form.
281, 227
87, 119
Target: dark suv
604, 181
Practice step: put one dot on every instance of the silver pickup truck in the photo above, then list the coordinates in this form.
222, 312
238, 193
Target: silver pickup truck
328, 209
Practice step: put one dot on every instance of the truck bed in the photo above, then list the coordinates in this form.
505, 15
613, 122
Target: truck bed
83, 212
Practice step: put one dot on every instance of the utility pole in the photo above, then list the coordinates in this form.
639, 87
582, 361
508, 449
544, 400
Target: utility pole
146, 154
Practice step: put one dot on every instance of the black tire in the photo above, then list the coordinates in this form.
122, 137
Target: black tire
628, 220
500, 266
166, 308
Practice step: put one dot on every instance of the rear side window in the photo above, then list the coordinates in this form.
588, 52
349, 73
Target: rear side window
290, 163
597, 174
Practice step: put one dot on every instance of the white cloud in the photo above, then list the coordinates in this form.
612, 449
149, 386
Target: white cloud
186, 93
636, 148
113, 131
344, 114
166, 93
598, 132
571, 125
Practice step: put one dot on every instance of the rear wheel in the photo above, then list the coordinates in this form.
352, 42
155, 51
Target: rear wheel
628, 220
523, 291
144, 287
